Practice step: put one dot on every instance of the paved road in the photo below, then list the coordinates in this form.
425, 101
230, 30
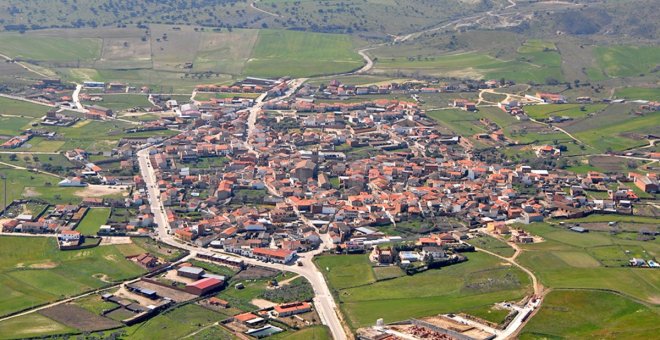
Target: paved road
76, 98
323, 299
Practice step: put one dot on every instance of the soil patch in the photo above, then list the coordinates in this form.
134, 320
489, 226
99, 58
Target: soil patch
255, 273
79, 318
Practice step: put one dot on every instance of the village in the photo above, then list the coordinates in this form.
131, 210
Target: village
292, 170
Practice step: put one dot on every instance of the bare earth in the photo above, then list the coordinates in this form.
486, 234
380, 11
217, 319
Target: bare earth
101, 190
261, 303
106, 241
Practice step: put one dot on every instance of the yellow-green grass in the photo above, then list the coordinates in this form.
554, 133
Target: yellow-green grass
253, 289
51, 49
293, 53
627, 60
215, 332
562, 110
93, 220
94, 303
25, 184
478, 283
389, 272
31, 325
591, 260
34, 271
225, 52
582, 314
645, 93
461, 122
308, 333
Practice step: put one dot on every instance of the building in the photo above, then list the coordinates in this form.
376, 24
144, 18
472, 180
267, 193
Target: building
190, 272
204, 286
99, 110
293, 308
273, 255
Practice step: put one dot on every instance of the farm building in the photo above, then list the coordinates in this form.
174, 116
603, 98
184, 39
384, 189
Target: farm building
292, 309
204, 286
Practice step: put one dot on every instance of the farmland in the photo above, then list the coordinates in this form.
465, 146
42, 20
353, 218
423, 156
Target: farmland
562, 110
121, 102
175, 324
23, 109
626, 61
535, 61
644, 93
477, 283
33, 271
591, 261
94, 218
591, 314
279, 53
31, 325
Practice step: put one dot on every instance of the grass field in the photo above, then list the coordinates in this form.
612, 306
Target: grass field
12, 126
33, 271
477, 283
31, 325
94, 218
645, 93
619, 135
579, 314
24, 184
591, 261
279, 53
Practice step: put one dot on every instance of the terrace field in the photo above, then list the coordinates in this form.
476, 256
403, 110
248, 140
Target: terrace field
591, 314
34, 271
476, 284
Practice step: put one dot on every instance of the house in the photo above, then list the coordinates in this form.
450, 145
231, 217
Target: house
434, 252
72, 182
648, 183
214, 301
384, 256
248, 319
293, 308
99, 110
273, 255
146, 260
528, 218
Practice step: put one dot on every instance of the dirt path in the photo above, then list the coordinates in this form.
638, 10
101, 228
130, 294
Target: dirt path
253, 6
25, 67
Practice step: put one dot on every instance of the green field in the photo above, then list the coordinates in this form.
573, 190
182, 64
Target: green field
579, 314
51, 49
94, 218
535, 61
121, 102
33, 271
591, 261
12, 126
279, 53
562, 110
619, 135
14, 107
93, 136
644, 93
175, 324
31, 325
25, 184
461, 122
308, 333
478, 283
492, 244
627, 61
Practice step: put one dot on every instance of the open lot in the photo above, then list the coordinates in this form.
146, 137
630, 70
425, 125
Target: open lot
492, 244
23, 109
33, 271
477, 283
581, 314
644, 93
